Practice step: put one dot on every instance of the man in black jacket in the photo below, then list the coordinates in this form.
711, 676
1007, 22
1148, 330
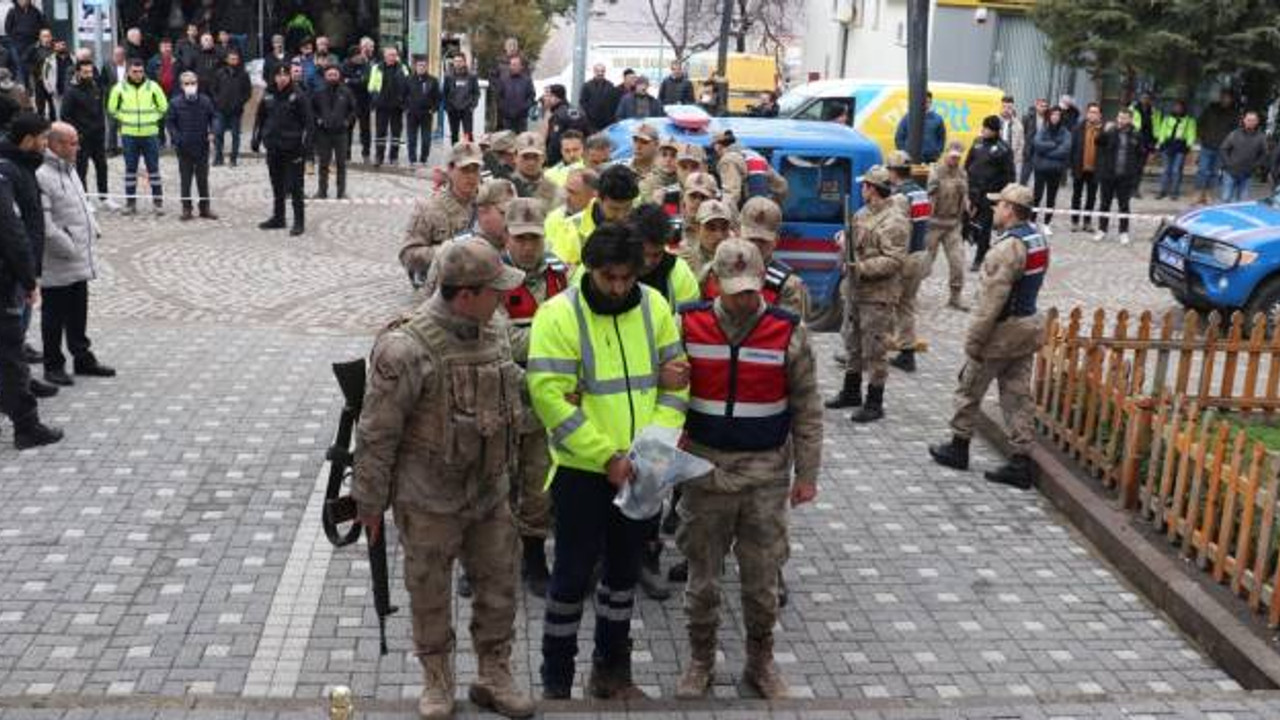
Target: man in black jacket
334, 108
355, 72
1121, 155
516, 97
990, 167
676, 88
284, 125
388, 92
420, 109
599, 99
84, 108
232, 89
22, 26
206, 64
461, 95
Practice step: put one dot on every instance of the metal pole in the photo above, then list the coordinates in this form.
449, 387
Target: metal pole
722, 52
581, 18
97, 40
917, 73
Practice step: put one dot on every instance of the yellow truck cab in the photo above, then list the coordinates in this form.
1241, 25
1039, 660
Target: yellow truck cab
874, 107
748, 75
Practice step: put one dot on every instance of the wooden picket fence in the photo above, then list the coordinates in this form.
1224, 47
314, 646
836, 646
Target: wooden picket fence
1139, 406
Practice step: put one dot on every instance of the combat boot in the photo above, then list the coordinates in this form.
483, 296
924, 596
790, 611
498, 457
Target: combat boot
610, 678
956, 301
651, 582
495, 690
905, 361
850, 394
534, 566
954, 454
873, 409
1015, 473
761, 672
436, 701
696, 679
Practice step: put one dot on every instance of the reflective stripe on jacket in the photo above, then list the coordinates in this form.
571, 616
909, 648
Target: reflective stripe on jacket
138, 108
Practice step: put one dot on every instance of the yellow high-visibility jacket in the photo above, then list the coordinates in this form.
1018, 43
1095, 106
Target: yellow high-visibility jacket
138, 108
611, 363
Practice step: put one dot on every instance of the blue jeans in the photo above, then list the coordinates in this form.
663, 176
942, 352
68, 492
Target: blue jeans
1207, 168
148, 149
222, 123
1171, 178
1235, 188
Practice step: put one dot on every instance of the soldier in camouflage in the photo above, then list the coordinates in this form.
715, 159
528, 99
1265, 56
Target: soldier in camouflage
644, 150
443, 215
500, 158
761, 219
876, 252
913, 202
490, 224
529, 179
948, 188
1004, 334
767, 451
715, 223
663, 180
436, 443
697, 189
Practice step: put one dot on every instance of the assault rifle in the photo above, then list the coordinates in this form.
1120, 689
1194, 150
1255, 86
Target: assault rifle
341, 510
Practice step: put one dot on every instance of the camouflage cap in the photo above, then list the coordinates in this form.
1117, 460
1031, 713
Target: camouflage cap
691, 152
503, 141
470, 261
525, 216
466, 153
738, 267
878, 176
496, 192
646, 131
761, 219
1015, 194
898, 160
702, 184
714, 210
530, 143
669, 143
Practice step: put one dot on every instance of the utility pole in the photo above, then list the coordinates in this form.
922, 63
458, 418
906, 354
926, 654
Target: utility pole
917, 74
581, 19
722, 58
435, 30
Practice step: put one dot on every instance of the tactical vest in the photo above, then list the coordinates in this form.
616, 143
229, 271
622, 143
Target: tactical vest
919, 208
465, 426
738, 395
757, 176
521, 302
1022, 297
775, 276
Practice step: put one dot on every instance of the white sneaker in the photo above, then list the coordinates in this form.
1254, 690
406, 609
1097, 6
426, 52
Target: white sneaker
1099, 236
1046, 231
110, 204
1124, 238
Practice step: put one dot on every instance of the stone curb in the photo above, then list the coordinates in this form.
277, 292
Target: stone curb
1231, 637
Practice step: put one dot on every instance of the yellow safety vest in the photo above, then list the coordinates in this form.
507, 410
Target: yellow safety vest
138, 108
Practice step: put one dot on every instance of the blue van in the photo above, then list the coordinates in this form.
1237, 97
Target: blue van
820, 162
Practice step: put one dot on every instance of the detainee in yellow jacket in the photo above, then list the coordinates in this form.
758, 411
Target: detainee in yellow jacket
564, 225
596, 357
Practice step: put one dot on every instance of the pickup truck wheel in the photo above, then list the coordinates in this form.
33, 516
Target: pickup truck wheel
827, 319
1266, 300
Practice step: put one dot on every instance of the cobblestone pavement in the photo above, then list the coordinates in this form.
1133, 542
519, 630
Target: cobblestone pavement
167, 555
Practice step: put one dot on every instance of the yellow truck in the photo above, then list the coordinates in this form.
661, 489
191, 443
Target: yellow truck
748, 76
874, 107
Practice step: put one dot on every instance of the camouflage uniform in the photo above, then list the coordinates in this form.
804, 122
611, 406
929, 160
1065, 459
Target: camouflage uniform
436, 442
914, 267
948, 188
435, 220
742, 505
880, 236
493, 192
657, 184
542, 188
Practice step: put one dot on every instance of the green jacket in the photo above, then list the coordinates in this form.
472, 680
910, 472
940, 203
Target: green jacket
1173, 127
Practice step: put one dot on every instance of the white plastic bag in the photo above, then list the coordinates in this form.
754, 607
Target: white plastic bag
660, 465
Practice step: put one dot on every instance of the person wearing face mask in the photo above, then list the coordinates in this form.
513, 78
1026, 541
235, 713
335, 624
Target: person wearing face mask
191, 128
83, 107
605, 362
335, 110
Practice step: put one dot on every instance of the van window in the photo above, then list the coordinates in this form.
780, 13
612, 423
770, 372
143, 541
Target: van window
827, 109
816, 187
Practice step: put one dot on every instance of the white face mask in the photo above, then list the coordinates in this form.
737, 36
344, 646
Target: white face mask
190, 90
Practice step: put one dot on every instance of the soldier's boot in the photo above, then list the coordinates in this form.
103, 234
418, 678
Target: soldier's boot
761, 672
850, 394
679, 572
956, 301
436, 701
784, 595
610, 678
954, 454
535, 566
1015, 473
651, 580
696, 679
494, 688
905, 361
873, 408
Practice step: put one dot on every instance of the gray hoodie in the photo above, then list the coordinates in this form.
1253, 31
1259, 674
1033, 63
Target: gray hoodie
70, 227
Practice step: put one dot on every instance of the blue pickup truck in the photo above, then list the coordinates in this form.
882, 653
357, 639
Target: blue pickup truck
1225, 257
820, 162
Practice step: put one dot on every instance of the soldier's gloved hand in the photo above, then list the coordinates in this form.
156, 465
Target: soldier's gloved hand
803, 491
674, 375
